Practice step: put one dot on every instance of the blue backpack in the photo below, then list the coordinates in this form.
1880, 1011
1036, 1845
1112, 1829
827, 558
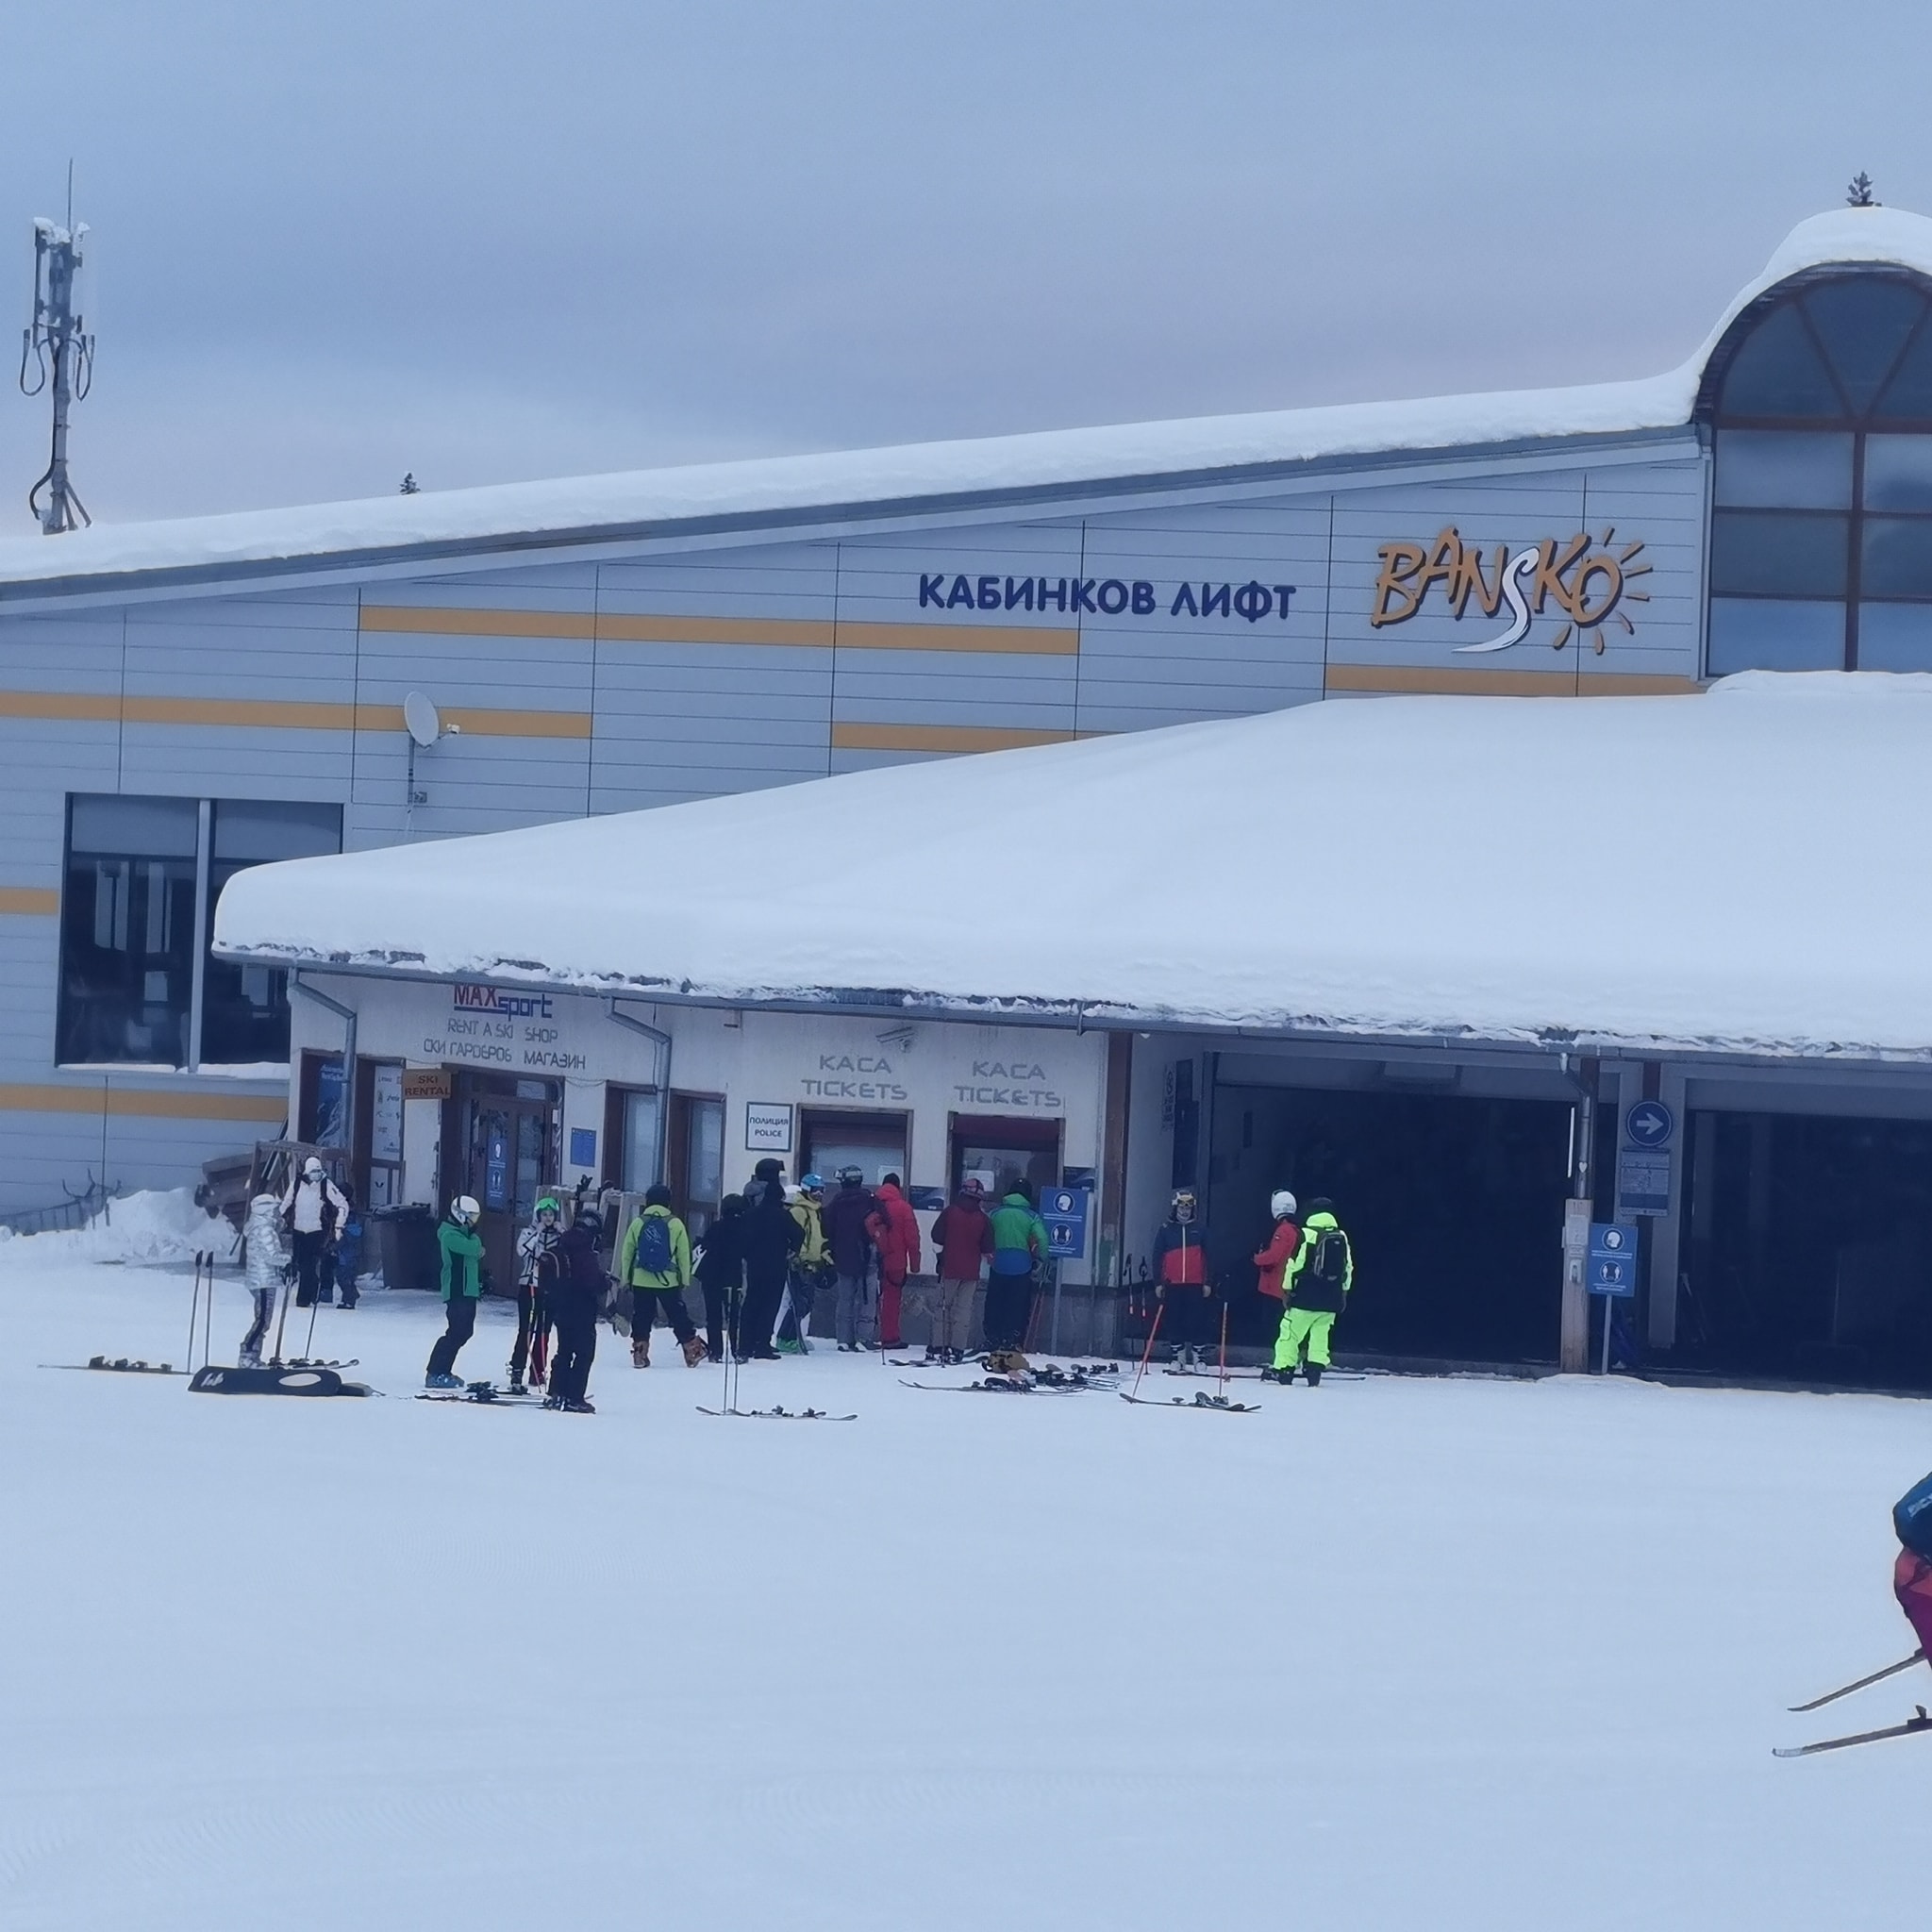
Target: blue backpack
654, 1246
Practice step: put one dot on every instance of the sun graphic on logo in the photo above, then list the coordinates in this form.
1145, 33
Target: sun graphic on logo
1593, 586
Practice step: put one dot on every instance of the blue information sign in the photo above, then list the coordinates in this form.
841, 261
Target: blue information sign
583, 1146
1613, 1258
1649, 1123
1065, 1211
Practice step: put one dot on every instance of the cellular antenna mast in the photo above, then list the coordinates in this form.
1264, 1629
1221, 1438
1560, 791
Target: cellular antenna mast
56, 353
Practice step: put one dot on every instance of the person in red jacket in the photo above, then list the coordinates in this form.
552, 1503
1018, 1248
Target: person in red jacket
1181, 1279
1273, 1259
962, 1239
895, 1231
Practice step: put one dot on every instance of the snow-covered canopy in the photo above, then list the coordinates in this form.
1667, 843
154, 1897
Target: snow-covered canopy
1742, 870
652, 504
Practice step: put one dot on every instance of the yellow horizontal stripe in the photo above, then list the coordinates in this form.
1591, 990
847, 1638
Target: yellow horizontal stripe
809, 633
284, 715
1021, 639
1459, 680
478, 623
1638, 684
812, 633
37, 900
146, 1102
954, 738
101, 706
484, 723
281, 715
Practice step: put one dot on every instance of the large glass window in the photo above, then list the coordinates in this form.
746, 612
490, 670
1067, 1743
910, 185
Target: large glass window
138, 983
1820, 542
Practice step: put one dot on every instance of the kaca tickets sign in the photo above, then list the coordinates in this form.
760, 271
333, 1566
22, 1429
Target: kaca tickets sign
1584, 581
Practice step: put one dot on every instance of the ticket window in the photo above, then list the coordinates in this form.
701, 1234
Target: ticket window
1001, 1153
831, 1138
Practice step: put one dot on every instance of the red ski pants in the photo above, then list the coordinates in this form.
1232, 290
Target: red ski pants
892, 1288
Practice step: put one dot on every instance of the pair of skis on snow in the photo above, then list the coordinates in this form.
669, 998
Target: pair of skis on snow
1912, 1724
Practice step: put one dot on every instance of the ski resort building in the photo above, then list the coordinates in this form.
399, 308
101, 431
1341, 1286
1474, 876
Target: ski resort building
183, 702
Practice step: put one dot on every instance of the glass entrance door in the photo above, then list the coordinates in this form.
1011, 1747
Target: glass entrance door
510, 1156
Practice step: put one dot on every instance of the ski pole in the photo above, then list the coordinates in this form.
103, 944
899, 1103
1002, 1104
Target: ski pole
193, 1310
1147, 1353
281, 1322
208, 1313
308, 1346
1223, 1348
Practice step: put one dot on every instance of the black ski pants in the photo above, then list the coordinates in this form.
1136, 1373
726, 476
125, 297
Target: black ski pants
1185, 1324
1009, 1309
646, 1303
531, 1348
576, 1315
718, 1317
309, 1266
763, 1290
461, 1324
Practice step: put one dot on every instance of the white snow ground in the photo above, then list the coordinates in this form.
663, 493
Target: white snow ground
1390, 1652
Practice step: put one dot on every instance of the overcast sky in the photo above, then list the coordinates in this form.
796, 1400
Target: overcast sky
487, 241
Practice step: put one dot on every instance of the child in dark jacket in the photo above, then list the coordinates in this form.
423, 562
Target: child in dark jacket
721, 1273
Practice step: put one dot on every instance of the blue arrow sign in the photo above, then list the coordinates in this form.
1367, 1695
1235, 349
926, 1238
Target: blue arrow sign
1649, 1123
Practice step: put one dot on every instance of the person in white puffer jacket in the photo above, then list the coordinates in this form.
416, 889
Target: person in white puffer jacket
313, 1208
268, 1264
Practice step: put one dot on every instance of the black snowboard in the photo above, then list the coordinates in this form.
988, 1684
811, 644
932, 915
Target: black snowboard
284, 1381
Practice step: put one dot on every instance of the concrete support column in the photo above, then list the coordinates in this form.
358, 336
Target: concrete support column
1573, 1331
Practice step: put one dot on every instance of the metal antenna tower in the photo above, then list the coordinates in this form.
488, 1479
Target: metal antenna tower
56, 353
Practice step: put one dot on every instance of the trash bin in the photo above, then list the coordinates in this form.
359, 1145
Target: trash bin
406, 1245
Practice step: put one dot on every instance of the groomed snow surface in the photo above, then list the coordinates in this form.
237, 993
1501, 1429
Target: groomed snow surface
1391, 1653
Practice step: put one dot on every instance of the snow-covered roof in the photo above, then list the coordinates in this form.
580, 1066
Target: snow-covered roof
1738, 871
714, 496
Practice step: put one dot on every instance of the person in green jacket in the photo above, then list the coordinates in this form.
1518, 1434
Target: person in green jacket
655, 1264
1314, 1291
1019, 1247
461, 1248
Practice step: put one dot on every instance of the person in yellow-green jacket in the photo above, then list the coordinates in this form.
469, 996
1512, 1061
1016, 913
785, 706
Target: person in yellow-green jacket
655, 1264
1314, 1291
807, 1207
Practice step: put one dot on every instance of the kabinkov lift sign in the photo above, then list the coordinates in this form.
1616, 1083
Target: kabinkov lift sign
1105, 596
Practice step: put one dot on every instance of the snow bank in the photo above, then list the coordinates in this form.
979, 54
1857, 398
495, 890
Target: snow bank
652, 502
150, 1226
1739, 870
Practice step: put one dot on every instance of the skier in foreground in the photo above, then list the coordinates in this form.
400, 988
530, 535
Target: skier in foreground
655, 1264
268, 1265
532, 1346
1911, 1583
573, 1286
1318, 1282
1180, 1267
312, 1206
463, 1286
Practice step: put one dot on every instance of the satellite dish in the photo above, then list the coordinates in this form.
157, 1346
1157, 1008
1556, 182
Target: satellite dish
420, 715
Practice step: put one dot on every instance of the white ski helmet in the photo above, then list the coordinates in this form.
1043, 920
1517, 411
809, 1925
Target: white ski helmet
1281, 1204
465, 1210
312, 1167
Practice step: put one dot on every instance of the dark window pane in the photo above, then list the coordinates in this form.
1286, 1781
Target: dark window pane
1779, 372
1909, 395
1863, 322
1898, 557
152, 827
1895, 637
1776, 554
1785, 468
126, 958
244, 1009
255, 832
1898, 473
1762, 634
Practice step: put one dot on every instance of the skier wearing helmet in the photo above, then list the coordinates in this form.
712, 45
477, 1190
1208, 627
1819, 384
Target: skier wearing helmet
312, 1207
577, 1289
534, 1246
1274, 1258
1180, 1272
461, 1248
268, 1265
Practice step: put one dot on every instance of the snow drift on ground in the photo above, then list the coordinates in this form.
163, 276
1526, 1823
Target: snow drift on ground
149, 1226
1391, 1653
655, 502
1739, 870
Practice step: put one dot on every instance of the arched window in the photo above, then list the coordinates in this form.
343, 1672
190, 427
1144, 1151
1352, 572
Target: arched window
1820, 401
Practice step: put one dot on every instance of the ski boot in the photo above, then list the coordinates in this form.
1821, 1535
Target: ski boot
1313, 1372
577, 1408
443, 1382
785, 1347
693, 1351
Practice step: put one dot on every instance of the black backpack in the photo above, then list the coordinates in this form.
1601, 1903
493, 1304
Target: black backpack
1329, 1264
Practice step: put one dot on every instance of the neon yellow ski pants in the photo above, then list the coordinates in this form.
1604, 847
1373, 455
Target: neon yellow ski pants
1303, 1328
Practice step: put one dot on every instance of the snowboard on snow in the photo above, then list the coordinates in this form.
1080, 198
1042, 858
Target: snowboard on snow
281, 1381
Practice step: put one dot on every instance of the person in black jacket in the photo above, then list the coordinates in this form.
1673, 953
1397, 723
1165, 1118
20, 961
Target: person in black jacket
850, 1248
769, 1234
573, 1287
721, 1273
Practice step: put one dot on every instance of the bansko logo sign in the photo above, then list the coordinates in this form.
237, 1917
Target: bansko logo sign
1588, 579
